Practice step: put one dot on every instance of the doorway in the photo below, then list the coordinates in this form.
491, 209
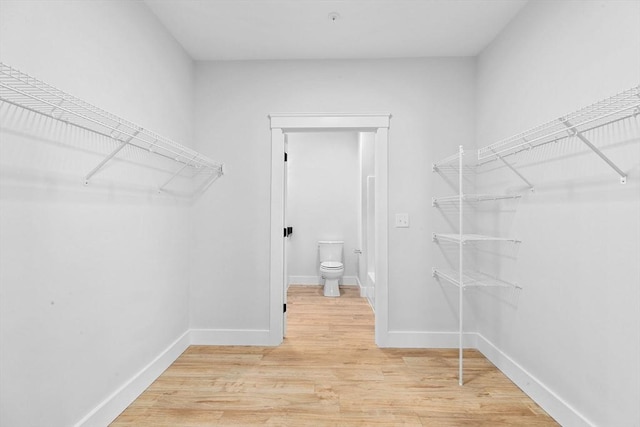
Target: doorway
281, 124
322, 203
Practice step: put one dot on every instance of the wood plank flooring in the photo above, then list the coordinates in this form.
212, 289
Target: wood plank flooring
329, 372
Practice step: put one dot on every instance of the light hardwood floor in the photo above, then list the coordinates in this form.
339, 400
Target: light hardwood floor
329, 372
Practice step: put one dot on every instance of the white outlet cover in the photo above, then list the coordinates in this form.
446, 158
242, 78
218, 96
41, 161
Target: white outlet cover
402, 220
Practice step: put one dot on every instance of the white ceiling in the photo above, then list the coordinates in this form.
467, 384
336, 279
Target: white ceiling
301, 29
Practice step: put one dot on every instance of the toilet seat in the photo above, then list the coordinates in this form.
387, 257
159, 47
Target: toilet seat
331, 265
331, 268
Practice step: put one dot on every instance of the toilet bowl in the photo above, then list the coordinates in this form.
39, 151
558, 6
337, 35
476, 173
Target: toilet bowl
331, 273
331, 266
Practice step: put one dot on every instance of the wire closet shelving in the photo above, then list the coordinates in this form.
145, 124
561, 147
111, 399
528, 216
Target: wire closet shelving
25, 91
616, 108
611, 110
463, 277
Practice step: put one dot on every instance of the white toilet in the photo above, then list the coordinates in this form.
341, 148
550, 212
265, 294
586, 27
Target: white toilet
331, 266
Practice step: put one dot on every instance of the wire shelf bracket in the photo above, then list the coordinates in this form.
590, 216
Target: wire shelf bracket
515, 171
619, 107
106, 159
448, 160
581, 137
24, 91
162, 187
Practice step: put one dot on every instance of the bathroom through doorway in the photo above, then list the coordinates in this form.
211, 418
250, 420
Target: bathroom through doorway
370, 136
327, 177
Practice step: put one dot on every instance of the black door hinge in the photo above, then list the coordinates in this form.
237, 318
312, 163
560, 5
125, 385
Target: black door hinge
288, 231
285, 157
284, 307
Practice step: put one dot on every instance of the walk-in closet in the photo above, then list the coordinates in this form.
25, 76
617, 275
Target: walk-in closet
478, 163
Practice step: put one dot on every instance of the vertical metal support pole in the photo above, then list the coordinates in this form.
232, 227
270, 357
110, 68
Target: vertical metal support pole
581, 137
460, 266
513, 170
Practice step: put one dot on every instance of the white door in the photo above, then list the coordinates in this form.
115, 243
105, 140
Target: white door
287, 239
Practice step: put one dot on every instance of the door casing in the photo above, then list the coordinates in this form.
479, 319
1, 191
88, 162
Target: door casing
282, 123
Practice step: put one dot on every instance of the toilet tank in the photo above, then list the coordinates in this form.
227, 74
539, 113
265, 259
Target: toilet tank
330, 250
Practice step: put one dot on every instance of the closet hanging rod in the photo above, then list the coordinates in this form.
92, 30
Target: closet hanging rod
20, 89
618, 107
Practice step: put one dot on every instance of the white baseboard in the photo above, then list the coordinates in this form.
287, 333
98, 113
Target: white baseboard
560, 410
304, 280
230, 337
416, 339
109, 409
317, 280
555, 406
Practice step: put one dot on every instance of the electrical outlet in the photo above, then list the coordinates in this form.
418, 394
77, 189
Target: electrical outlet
402, 220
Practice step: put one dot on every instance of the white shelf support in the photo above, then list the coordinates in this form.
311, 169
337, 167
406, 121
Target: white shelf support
109, 157
619, 107
581, 137
167, 182
460, 268
103, 162
514, 170
448, 160
460, 278
26, 92
56, 107
441, 274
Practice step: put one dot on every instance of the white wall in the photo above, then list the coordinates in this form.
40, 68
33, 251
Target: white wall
322, 202
93, 280
576, 325
432, 103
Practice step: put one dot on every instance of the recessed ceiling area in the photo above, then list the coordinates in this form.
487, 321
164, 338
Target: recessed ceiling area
303, 29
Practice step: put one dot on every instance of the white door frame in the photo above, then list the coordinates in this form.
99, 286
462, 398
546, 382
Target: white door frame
282, 123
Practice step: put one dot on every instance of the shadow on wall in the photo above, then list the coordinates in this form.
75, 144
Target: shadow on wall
39, 151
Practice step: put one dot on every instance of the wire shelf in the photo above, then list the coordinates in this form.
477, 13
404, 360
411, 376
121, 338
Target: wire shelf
461, 277
465, 159
472, 279
618, 107
447, 160
25, 91
473, 198
465, 238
